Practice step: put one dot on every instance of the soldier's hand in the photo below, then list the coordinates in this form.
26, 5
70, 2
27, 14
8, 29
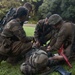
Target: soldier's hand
48, 48
37, 43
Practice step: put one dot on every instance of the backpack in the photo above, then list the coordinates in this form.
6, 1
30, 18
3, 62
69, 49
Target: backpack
5, 19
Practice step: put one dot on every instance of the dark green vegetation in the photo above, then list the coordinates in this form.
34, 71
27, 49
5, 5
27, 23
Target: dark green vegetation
8, 69
65, 8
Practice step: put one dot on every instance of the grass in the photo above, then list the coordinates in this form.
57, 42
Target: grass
29, 31
8, 69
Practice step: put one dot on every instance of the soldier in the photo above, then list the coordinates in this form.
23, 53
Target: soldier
8, 17
64, 37
43, 32
36, 63
15, 43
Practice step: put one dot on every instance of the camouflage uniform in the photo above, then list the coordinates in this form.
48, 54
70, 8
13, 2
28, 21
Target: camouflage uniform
43, 32
36, 63
15, 42
64, 36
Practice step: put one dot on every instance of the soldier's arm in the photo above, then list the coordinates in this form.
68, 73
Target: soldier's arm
37, 30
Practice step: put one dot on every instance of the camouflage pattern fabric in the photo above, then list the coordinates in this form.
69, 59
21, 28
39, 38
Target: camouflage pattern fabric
14, 41
43, 32
36, 62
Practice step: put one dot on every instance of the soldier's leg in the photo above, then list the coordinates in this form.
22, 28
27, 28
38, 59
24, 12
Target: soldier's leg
19, 49
68, 51
26, 47
14, 59
2, 57
3, 53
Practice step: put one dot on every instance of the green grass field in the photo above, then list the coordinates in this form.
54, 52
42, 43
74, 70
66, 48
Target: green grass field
8, 69
29, 31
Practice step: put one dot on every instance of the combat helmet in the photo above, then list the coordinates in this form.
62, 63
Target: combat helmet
54, 19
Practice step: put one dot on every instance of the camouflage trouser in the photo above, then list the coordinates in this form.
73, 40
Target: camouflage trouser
68, 52
15, 50
20, 47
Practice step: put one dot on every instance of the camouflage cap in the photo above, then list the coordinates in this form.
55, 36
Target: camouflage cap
39, 59
54, 19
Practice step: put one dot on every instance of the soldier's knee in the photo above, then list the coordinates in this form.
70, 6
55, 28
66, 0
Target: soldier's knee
27, 69
2, 57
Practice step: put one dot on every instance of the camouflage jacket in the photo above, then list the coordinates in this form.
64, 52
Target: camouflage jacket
13, 29
43, 32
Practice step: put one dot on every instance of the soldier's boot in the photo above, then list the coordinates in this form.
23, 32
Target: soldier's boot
2, 58
13, 60
53, 63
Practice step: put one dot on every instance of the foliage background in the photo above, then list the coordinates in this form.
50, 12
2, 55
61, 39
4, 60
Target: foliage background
5, 5
65, 8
